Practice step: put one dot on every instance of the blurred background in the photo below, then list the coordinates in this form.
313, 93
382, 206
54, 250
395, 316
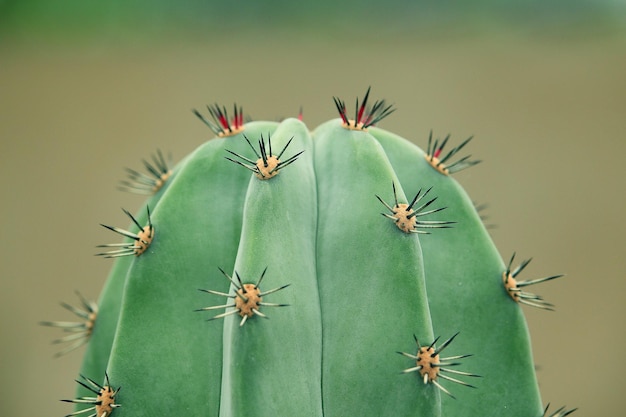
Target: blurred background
88, 88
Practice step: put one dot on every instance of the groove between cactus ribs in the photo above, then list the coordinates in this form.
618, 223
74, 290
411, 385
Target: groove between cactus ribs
317, 232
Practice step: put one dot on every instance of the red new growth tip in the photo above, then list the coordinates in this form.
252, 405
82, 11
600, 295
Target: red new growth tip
341, 108
221, 125
223, 121
365, 116
238, 119
359, 118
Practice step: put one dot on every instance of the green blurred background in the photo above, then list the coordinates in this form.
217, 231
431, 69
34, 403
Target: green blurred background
88, 88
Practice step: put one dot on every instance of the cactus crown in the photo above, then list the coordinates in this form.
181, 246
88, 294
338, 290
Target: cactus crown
358, 284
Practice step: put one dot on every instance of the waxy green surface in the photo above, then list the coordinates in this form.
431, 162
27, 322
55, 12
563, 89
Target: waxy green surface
359, 290
273, 367
466, 294
160, 338
98, 350
371, 282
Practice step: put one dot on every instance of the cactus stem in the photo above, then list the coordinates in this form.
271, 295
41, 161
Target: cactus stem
140, 183
405, 217
221, 125
431, 366
434, 151
365, 116
245, 305
514, 287
103, 403
80, 331
142, 239
561, 412
267, 165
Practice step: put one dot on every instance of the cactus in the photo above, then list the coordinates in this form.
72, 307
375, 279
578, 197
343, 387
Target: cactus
260, 279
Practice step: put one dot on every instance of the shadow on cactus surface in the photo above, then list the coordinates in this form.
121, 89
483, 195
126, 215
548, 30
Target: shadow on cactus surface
412, 313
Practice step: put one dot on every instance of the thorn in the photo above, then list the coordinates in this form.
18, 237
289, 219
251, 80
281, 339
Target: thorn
514, 287
364, 115
222, 125
444, 345
264, 156
253, 298
434, 156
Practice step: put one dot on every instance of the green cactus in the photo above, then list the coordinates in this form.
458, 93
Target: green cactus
311, 303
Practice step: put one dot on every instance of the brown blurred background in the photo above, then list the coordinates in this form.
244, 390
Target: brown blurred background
82, 96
